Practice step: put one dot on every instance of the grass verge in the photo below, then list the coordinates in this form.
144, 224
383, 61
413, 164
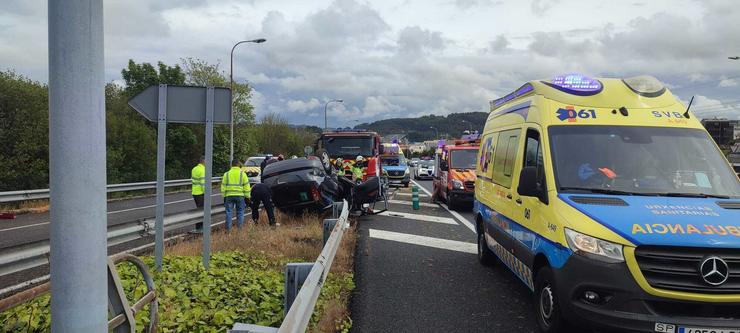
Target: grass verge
244, 283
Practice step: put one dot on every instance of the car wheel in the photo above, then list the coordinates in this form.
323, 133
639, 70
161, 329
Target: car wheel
546, 303
485, 255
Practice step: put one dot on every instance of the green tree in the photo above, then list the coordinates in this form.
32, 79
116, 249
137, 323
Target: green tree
274, 135
131, 146
24, 127
201, 73
140, 76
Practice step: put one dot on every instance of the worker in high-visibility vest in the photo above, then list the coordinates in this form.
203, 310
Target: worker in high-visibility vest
235, 188
198, 179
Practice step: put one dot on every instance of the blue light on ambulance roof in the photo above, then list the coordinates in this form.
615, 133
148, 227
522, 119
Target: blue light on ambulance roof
577, 84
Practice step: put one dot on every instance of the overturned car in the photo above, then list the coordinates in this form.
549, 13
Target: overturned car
312, 184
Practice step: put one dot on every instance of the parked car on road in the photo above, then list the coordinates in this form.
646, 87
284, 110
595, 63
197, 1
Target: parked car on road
414, 162
252, 168
424, 170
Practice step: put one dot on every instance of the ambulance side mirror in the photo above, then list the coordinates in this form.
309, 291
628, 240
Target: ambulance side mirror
529, 185
381, 150
443, 165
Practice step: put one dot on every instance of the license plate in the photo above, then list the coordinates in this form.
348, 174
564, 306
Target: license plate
707, 330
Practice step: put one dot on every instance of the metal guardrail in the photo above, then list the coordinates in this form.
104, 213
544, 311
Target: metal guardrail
299, 314
12, 196
21, 257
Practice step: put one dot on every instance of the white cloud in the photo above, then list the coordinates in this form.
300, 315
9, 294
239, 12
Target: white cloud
394, 59
727, 83
704, 107
303, 106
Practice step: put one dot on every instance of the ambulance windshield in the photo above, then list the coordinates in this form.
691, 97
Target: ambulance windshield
641, 161
463, 158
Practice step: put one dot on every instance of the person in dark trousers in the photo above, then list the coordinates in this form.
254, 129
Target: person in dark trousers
198, 179
260, 193
264, 163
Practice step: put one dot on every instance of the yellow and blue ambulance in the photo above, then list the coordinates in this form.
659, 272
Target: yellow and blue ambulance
610, 201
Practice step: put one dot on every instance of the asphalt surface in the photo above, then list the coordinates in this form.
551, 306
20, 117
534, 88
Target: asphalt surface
422, 275
27, 228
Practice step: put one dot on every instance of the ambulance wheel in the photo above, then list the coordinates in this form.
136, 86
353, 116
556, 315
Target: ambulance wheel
405, 184
546, 303
485, 255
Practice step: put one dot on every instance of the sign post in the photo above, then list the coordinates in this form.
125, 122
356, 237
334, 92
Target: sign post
161, 151
183, 104
209, 188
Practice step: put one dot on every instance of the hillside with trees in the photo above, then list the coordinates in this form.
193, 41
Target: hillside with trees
423, 128
131, 140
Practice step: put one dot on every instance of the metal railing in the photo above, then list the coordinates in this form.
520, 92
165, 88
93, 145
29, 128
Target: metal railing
25, 256
299, 313
11, 196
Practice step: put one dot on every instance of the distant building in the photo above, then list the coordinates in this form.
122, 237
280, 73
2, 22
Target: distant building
416, 148
430, 144
723, 131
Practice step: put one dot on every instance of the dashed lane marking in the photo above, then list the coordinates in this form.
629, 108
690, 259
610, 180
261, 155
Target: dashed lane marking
419, 217
409, 203
457, 215
437, 243
112, 212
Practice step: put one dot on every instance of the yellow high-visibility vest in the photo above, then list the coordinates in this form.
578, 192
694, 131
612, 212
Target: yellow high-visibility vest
198, 178
235, 183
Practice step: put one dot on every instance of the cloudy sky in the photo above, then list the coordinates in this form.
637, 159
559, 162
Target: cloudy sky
401, 58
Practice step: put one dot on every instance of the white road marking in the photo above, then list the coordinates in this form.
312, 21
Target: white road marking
44, 278
113, 212
438, 243
409, 194
152, 206
419, 217
457, 215
422, 204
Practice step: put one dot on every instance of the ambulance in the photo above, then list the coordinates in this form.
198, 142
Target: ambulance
454, 171
609, 200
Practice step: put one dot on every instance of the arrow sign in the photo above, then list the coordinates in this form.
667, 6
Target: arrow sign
185, 104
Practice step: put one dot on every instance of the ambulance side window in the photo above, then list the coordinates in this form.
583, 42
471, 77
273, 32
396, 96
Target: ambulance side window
504, 157
533, 154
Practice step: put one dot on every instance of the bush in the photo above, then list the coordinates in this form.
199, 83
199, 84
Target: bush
239, 287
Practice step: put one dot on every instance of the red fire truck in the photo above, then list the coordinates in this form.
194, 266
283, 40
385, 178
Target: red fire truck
347, 144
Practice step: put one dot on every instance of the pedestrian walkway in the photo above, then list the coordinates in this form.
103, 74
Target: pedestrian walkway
417, 271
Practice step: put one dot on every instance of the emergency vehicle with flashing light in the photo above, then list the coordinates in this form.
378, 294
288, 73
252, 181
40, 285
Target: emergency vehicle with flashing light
395, 166
612, 203
454, 171
346, 144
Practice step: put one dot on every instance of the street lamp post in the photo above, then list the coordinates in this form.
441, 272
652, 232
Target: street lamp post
435, 130
327, 104
231, 85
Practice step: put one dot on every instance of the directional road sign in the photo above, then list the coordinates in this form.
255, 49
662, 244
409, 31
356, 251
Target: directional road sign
184, 104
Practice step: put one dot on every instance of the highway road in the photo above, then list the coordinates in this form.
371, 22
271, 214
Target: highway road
33, 227
28, 228
417, 271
